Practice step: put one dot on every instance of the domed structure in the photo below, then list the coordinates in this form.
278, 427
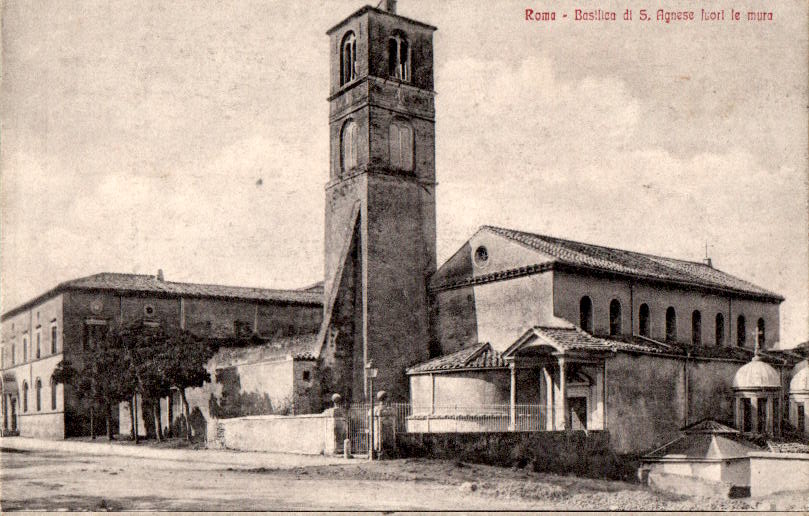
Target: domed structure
757, 389
799, 397
800, 378
757, 375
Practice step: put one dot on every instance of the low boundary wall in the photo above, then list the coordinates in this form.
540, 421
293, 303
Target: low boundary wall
775, 472
313, 434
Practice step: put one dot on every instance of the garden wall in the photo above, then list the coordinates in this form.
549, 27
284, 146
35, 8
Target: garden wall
776, 472
312, 434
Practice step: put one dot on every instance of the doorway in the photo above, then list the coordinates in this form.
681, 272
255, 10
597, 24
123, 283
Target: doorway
13, 414
577, 407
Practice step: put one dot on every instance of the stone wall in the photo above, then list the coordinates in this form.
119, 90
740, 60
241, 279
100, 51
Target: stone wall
313, 434
776, 472
569, 288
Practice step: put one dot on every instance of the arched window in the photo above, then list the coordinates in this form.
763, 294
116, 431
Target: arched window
53, 394
615, 317
401, 145
643, 320
586, 314
399, 58
349, 145
760, 332
741, 331
696, 327
348, 59
671, 324
720, 329
39, 394
25, 396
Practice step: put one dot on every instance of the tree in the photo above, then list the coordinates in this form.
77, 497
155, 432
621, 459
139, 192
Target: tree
184, 361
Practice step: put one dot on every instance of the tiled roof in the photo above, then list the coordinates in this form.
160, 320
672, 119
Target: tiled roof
299, 347
705, 446
147, 284
618, 261
787, 447
478, 356
563, 339
708, 426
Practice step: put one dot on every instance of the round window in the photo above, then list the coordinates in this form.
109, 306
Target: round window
481, 256
148, 310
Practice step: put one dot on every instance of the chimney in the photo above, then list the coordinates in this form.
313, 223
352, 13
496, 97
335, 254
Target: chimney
160, 275
390, 6
707, 261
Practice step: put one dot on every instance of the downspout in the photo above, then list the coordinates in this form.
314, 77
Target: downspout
631, 309
730, 322
685, 382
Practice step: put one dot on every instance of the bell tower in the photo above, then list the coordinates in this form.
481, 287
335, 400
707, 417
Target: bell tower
380, 200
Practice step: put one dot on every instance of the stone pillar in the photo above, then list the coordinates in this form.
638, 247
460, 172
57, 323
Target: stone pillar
512, 400
754, 415
550, 422
738, 416
385, 431
770, 425
334, 427
562, 395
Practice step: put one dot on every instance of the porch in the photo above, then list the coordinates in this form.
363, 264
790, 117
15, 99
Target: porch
550, 379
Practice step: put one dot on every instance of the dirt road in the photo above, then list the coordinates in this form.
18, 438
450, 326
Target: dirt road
42, 480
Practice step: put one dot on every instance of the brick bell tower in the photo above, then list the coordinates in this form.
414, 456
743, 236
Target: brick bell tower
380, 201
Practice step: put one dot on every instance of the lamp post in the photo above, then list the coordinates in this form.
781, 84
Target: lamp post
370, 373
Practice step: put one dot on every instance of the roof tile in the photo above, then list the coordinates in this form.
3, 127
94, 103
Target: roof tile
619, 261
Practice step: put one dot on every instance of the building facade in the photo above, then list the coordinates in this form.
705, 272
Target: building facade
75, 316
590, 337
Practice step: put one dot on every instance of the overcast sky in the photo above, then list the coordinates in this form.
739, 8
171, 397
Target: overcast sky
191, 136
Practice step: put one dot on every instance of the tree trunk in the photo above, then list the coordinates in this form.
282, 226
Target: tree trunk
135, 421
132, 419
158, 433
109, 422
187, 416
170, 414
92, 423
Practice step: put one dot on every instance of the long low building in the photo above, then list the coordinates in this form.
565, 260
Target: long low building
75, 315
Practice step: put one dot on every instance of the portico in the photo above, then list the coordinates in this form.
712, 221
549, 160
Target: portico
570, 370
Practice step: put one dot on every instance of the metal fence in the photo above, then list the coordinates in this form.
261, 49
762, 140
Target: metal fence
445, 418
479, 418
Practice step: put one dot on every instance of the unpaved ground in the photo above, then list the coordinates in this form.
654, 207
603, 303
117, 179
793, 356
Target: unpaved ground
51, 480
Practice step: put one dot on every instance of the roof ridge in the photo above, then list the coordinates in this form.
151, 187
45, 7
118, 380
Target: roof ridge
635, 263
560, 239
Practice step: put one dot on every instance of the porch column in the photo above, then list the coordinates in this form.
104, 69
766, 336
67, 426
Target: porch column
770, 426
754, 415
550, 422
562, 395
512, 401
738, 414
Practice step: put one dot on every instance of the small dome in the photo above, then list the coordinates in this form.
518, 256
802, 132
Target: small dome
756, 375
800, 377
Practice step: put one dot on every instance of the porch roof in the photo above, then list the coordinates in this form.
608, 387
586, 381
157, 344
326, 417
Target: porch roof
571, 338
478, 356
